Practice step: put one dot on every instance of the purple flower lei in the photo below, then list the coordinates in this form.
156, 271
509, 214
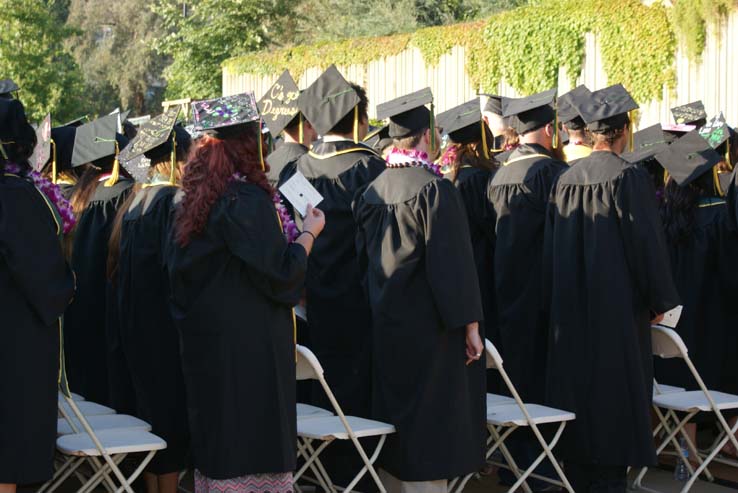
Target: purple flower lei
52, 192
289, 228
404, 158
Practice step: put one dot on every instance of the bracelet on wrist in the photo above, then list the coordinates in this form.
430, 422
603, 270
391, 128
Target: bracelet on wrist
305, 232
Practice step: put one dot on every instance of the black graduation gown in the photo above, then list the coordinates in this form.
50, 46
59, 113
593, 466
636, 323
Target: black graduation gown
232, 289
518, 194
337, 308
85, 337
704, 269
149, 338
36, 286
286, 153
606, 273
732, 199
414, 247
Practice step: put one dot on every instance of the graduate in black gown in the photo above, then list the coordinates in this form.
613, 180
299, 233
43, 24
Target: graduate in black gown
518, 194
279, 109
417, 260
646, 144
606, 277
579, 144
468, 163
62, 174
36, 286
90, 342
148, 336
491, 108
234, 280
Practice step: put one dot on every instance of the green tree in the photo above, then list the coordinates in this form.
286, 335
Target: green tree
32, 53
204, 33
115, 49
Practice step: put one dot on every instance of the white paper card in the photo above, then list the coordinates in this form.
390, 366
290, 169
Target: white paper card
299, 192
671, 318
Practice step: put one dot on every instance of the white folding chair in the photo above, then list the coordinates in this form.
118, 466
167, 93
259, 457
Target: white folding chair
326, 429
511, 415
668, 344
86, 446
75, 397
306, 411
87, 408
102, 422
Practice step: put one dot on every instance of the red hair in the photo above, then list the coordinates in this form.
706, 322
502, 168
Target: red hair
209, 169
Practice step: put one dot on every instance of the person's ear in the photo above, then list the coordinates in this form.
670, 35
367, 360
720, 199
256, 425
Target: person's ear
549, 130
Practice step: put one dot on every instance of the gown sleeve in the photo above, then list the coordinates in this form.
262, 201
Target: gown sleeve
32, 252
252, 233
449, 261
644, 242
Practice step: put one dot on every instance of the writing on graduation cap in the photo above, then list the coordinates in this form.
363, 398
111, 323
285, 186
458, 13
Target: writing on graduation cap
279, 103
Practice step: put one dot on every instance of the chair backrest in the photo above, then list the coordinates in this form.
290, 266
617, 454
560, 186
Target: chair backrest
666, 343
308, 366
494, 360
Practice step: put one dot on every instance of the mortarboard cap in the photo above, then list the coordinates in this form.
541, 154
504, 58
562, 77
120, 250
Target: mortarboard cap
529, 113
96, 140
278, 107
77, 122
688, 158
64, 146
689, 114
647, 143
7, 88
152, 134
607, 109
407, 114
716, 131
42, 152
462, 123
568, 107
220, 117
493, 104
378, 139
328, 100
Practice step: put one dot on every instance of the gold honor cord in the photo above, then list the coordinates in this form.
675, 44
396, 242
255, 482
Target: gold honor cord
54, 171
300, 130
173, 157
716, 182
356, 124
116, 164
485, 148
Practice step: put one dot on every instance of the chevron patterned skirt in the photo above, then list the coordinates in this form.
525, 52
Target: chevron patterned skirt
252, 483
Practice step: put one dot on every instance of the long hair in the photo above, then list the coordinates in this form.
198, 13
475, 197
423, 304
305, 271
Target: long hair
680, 204
207, 173
86, 186
116, 234
469, 154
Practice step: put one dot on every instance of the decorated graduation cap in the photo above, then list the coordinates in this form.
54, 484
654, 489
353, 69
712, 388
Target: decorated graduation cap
99, 140
688, 158
328, 100
278, 107
607, 109
531, 112
8, 88
155, 138
568, 107
493, 104
718, 134
464, 124
647, 143
408, 114
43, 151
690, 114
378, 139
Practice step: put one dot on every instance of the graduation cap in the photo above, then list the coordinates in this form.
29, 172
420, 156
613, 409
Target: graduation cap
530, 113
155, 138
211, 115
647, 143
98, 140
568, 107
408, 114
78, 122
607, 109
63, 147
43, 151
493, 104
464, 124
278, 107
328, 100
688, 158
689, 114
7, 88
378, 138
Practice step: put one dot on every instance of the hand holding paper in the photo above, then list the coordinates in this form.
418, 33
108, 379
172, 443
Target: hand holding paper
299, 192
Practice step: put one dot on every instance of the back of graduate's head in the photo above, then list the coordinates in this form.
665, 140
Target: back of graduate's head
422, 141
345, 125
17, 137
292, 131
679, 206
611, 134
216, 156
161, 156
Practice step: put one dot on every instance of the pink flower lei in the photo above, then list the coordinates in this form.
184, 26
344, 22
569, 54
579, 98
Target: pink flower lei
405, 158
52, 192
289, 228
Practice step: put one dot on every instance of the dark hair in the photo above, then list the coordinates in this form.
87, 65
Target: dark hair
616, 126
346, 124
17, 133
468, 154
210, 167
680, 204
410, 141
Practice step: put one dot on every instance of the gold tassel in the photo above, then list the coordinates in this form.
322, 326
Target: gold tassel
260, 147
630, 131
2, 150
116, 169
716, 182
301, 136
356, 124
727, 154
173, 163
485, 148
666, 177
54, 176
555, 140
